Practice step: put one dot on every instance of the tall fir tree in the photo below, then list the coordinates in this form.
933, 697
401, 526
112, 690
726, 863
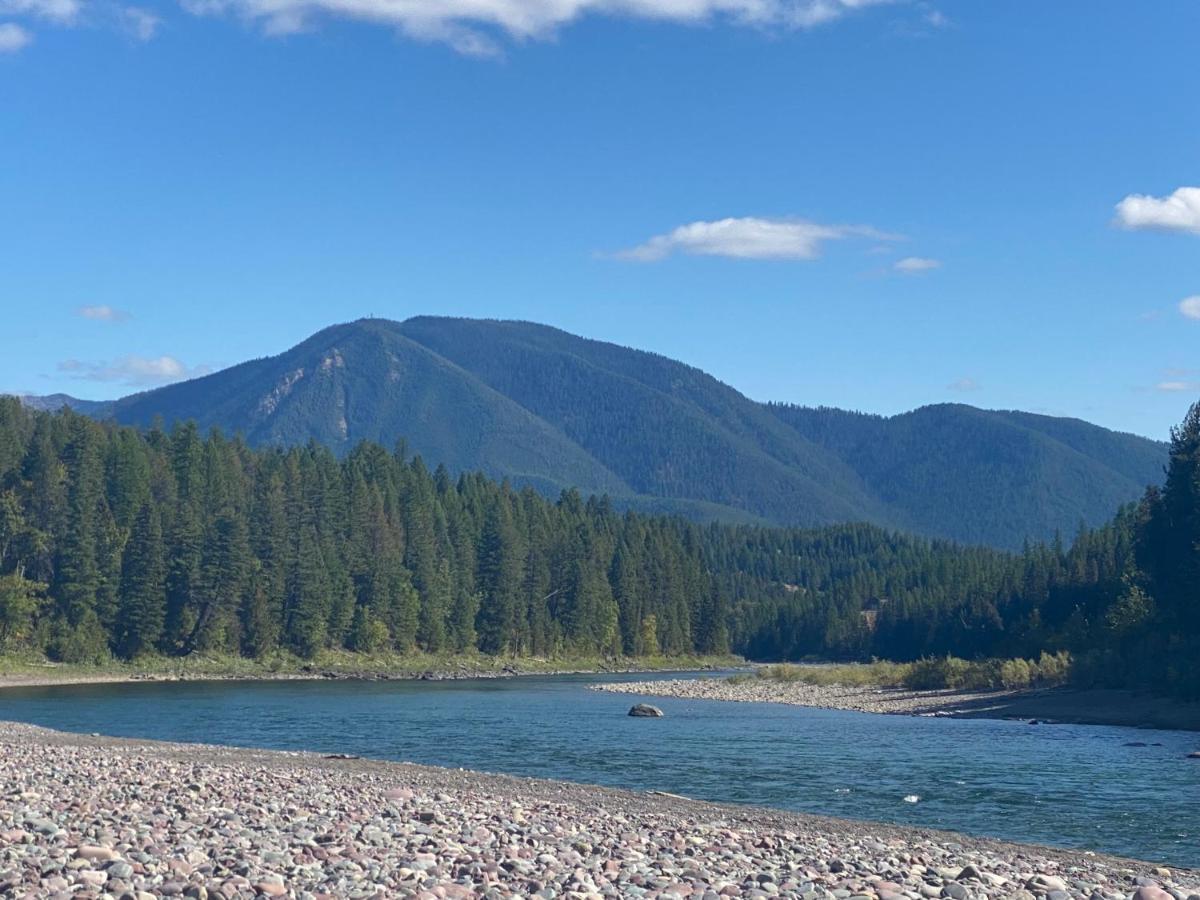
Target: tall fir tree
142, 604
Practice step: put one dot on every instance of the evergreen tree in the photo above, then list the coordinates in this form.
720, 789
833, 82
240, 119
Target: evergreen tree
307, 606
499, 580
142, 598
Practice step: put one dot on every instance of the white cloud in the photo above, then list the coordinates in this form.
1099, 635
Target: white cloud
964, 384
1175, 387
13, 37
471, 26
1190, 306
749, 238
61, 11
913, 265
135, 371
102, 313
1179, 211
141, 23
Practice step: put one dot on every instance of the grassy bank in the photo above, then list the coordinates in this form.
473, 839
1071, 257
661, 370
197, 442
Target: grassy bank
15, 670
936, 673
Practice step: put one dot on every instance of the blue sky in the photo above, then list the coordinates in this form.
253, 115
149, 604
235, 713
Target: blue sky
873, 205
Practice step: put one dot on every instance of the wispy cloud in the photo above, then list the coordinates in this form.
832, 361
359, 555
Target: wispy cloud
914, 265
749, 238
964, 384
927, 21
1179, 211
1190, 306
1177, 387
63, 12
135, 371
102, 313
935, 18
141, 23
13, 37
474, 26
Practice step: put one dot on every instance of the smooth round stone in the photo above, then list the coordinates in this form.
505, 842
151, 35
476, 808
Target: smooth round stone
120, 869
95, 854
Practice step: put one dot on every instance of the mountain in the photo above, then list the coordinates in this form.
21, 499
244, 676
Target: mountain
986, 476
54, 402
543, 407
367, 381
669, 430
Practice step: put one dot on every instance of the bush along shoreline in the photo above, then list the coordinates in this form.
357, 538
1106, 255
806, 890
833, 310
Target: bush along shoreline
929, 674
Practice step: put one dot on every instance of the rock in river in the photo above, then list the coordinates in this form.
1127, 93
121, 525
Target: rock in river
646, 711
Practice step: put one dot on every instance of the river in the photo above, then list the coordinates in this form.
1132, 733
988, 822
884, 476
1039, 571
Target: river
1079, 786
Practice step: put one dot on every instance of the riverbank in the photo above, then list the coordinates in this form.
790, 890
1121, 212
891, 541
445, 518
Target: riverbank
87, 817
1070, 705
39, 673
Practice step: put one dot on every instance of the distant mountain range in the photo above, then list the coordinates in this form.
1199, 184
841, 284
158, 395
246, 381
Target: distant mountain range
549, 409
55, 402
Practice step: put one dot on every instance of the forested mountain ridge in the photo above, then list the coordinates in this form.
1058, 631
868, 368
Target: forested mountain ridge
984, 476
553, 410
53, 402
668, 429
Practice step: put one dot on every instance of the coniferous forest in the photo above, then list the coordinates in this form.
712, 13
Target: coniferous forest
116, 542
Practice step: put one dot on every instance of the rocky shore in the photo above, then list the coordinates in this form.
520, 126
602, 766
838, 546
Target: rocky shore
1094, 707
91, 817
797, 693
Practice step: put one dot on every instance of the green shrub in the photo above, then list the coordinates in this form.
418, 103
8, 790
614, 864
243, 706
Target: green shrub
83, 643
937, 673
873, 674
1016, 673
1054, 669
369, 634
930, 674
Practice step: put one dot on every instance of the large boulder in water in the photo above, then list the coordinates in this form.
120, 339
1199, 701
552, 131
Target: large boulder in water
646, 711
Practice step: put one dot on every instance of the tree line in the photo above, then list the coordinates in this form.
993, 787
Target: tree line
120, 542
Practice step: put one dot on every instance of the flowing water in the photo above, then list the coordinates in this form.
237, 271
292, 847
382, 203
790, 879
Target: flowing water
1069, 785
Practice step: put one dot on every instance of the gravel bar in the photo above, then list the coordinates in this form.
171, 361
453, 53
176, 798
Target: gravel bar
93, 817
894, 701
1090, 706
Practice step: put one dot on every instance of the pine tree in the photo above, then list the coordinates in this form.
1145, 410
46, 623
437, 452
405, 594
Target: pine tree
222, 583
184, 551
499, 580
77, 575
262, 613
142, 599
307, 606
